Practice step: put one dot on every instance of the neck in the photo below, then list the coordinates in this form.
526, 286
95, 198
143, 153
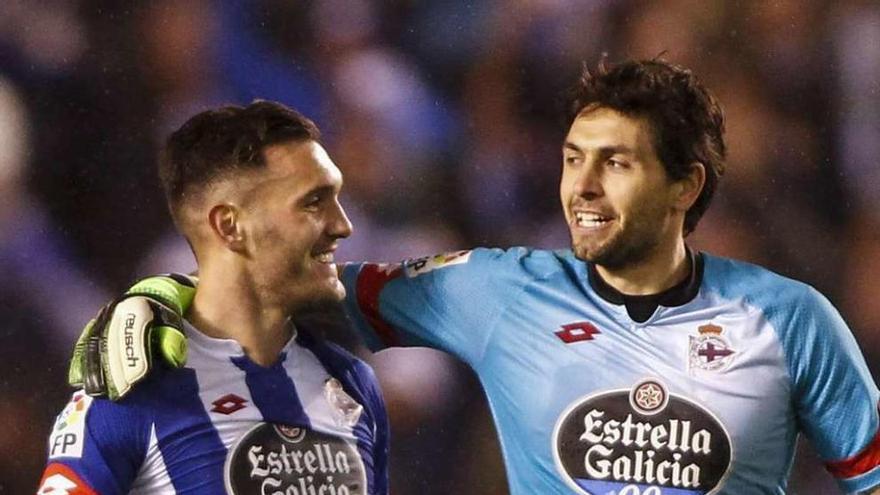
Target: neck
661, 270
228, 306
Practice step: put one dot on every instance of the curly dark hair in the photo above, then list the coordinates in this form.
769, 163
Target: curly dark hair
686, 119
230, 138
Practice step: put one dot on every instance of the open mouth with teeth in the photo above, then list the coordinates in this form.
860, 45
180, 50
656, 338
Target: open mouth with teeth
325, 257
591, 220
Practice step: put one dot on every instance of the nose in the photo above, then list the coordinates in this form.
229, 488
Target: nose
339, 226
588, 183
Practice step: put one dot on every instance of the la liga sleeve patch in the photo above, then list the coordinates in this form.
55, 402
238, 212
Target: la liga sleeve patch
421, 266
68, 434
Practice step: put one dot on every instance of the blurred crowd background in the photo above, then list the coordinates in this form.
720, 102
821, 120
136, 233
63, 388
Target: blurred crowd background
445, 119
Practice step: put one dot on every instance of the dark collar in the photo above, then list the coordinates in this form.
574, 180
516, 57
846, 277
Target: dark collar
640, 308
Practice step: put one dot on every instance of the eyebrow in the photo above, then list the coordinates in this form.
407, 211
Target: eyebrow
604, 150
319, 190
571, 146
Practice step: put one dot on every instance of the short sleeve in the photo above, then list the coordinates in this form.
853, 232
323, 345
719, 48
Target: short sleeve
449, 301
836, 399
96, 446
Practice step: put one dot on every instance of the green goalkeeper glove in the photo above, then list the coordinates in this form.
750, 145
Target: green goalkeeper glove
116, 348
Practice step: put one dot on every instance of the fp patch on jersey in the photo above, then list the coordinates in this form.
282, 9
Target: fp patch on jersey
66, 439
420, 266
642, 440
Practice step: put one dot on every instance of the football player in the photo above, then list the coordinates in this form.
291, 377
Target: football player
261, 406
631, 364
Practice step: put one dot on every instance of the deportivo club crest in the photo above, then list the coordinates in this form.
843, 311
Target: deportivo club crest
709, 350
641, 440
346, 410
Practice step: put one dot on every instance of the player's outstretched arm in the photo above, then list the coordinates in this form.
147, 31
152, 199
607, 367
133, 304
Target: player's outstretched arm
115, 350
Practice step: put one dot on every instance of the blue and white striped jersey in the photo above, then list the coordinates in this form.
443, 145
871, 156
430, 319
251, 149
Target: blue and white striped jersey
314, 423
705, 394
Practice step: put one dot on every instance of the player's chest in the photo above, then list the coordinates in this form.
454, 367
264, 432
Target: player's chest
669, 404
587, 347
282, 430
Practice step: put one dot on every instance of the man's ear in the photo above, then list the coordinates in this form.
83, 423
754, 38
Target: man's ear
226, 225
690, 187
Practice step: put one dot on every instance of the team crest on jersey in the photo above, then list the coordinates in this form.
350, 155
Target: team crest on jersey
709, 350
642, 440
66, 439
346, 410
421, 266
294, 460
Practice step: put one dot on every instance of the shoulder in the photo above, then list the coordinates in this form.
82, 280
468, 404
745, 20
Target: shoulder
88, 425
339, 362
799, 314
356, 376
810, 330
521, 260
758, 286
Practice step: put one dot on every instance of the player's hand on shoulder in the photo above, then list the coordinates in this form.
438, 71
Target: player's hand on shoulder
115, 350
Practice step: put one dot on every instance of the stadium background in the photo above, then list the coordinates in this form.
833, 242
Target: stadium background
444, 118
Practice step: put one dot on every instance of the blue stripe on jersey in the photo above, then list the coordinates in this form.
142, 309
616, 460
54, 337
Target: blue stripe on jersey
112, 473
349, 371
273, 392
182, 427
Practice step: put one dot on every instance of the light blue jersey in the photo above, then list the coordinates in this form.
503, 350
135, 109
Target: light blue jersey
313, 423
706, 394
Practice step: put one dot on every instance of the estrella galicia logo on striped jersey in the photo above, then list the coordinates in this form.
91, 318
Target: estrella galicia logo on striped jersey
292, 460
641, 441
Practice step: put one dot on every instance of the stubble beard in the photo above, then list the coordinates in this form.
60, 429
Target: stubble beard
296, 288
323, 299
625, 248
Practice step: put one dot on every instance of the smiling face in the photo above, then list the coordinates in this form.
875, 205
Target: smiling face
619, 203
293, 220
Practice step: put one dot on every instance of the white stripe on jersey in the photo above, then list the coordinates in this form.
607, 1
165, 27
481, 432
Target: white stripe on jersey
153, 478
217, 377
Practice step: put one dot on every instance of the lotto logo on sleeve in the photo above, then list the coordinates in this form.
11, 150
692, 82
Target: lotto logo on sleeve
66, 439
61, 480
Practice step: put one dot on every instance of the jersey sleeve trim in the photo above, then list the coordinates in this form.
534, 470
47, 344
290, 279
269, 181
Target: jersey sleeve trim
859, 464
370, 281
59, 478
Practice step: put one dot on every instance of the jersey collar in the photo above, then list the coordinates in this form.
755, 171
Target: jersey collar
640, 308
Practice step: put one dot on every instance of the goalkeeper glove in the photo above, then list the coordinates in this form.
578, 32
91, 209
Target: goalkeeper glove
115, 350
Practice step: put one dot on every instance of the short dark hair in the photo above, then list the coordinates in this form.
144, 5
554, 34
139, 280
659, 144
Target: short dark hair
686, 119
223, 140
